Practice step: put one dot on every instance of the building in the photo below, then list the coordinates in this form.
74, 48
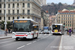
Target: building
66, 17
73, 3
52, 19
44, 19
28, 9
43, 2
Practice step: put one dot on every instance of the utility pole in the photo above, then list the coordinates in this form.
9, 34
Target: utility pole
5, 16
56, 17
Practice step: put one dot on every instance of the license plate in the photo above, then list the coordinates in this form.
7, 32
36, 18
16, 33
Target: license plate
55, 31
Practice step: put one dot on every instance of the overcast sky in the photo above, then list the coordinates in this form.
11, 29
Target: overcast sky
62, 1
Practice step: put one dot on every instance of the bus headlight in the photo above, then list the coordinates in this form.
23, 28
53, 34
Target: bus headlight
13, 33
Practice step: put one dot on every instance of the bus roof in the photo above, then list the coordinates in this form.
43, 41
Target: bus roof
28, 19
57, 24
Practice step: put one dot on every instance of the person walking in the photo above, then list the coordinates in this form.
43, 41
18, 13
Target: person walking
70, 32
6, 30
9, 30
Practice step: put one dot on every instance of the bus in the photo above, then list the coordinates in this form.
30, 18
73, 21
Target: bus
23, 28
57, 29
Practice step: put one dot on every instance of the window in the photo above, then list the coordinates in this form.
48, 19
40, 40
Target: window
70, 21
4, 18
23, 4
18, 17
23, 17
4, 0
4, 11
17, 11
0, 18
70, 24
8, 5
13, 0
13, 11
23, 11
13, 5
28, 12
13, 17
9, 11
28, 17
8, 0
17, 0
66, 24
4, 5
0, 6
17, 5
0, 0
33, 18
8, 18
0, 11
28, 5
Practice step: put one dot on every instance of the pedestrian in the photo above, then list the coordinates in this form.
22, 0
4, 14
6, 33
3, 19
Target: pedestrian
6, 30
9, 30
70, 32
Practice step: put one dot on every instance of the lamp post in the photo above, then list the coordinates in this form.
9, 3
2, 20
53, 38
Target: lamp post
5, 16
56, 17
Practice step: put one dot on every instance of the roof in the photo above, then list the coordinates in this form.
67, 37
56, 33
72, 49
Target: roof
57, 24
28, 19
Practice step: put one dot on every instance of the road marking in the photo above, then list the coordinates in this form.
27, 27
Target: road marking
60, 46
21, 47
45, 37
29, 43
34, 41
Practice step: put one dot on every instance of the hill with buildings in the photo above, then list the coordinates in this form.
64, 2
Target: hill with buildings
53, 8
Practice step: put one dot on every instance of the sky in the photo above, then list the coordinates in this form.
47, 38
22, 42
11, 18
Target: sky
62, 1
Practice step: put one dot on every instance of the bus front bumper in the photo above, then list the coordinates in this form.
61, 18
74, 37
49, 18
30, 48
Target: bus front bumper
56, 33
27, 37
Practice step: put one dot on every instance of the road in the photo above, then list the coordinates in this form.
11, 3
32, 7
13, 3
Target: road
44, 42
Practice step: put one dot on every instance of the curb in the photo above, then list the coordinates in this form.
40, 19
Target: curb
5, 37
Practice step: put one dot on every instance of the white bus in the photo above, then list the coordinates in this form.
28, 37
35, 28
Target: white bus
57, 29
23, 28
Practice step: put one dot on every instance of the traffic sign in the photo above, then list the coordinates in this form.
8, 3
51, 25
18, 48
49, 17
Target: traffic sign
5, 22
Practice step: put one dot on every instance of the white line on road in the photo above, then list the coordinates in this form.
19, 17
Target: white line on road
34, 41
29, 43
21, 47
60, 47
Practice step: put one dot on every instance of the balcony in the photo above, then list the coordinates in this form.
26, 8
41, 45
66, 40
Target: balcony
1, 14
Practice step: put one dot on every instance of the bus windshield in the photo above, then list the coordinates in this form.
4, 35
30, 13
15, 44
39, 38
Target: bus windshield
56, 27
22, 27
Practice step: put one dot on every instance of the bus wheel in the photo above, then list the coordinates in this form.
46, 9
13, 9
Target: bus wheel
16, 39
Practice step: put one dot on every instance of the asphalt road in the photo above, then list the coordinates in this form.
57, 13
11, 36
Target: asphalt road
44, 42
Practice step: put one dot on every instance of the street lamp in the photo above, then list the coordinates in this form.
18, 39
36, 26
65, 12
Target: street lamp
56, 17
5, 16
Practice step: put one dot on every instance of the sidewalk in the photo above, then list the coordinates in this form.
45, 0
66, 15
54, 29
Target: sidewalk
68, 42
4, 37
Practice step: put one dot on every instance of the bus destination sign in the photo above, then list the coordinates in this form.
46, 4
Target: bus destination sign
20, 21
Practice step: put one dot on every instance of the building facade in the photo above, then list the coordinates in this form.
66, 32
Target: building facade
52, 19
28, 9
43, 2
66, 17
